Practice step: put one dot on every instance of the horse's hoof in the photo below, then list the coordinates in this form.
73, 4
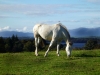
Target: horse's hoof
58, 55
44, 55
36, 54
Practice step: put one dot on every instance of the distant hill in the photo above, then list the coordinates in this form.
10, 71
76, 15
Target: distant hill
79, 32
85, 32
19, 34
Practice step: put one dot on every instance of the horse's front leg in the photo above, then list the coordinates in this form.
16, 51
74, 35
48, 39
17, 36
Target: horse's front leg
51, 43
58, 49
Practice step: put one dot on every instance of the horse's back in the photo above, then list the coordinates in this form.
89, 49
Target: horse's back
47, 31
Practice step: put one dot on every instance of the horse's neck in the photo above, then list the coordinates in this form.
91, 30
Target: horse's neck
66, 37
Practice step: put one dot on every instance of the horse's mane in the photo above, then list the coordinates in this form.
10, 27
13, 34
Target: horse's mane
64, 28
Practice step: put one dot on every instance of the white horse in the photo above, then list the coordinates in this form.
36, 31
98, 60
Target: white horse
54, 33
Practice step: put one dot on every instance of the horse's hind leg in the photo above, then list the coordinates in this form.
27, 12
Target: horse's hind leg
37, 41
36, 45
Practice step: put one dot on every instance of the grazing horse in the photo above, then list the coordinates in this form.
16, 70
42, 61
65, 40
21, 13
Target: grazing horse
53, 33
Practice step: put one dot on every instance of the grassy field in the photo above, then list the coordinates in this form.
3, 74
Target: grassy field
82, 62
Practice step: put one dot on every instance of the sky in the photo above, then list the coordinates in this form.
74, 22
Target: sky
22, 15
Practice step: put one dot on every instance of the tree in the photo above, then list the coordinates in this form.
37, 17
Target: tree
28, 46
17, 47
2, 45
90, 44
14, 43
8, 45
14, 38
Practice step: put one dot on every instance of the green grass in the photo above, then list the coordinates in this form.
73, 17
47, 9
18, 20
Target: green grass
82, 62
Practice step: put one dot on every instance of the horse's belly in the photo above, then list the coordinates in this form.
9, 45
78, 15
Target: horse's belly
46, 35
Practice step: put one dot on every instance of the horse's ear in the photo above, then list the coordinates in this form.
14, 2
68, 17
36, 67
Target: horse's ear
71, 43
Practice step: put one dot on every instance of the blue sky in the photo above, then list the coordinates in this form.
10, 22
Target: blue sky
22, 15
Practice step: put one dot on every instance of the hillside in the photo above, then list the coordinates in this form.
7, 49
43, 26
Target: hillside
85, 32
82, 62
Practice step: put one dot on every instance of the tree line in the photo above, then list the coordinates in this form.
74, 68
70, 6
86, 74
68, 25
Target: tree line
14, 44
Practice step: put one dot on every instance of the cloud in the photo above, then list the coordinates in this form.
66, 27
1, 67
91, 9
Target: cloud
94, 1
0, 29
5, 28
25, 28
3, 16
43, 10
18, 30
38, 10
95, 22
8, 16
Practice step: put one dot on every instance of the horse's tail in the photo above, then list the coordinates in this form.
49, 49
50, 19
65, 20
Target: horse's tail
42, 44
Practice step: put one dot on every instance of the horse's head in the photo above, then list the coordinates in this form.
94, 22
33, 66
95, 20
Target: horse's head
69, 48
